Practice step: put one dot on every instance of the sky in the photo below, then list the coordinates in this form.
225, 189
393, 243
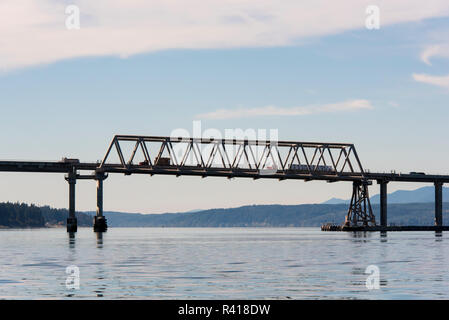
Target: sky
312, 70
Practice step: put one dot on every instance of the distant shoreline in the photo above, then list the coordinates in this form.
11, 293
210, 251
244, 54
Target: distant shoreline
252, 216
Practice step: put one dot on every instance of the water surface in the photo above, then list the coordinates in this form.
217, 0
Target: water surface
223, 263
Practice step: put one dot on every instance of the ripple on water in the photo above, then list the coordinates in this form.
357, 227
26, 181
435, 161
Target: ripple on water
291, 263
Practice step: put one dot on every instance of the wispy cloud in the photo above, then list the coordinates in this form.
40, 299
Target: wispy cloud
440, 50
441, 81
34, 32
437, 50
345, 106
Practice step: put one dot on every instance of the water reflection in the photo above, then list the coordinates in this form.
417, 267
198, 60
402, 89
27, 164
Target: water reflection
102, 281
99, 239
71, 240
383, 236
100, 273
359, 236
438, 236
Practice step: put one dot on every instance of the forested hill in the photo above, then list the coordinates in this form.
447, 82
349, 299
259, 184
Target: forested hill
14, 215
304, 215
21, 215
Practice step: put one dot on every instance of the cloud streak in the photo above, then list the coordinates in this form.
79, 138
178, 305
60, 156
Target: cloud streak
440, 81
33, 32
345, 106
440, 50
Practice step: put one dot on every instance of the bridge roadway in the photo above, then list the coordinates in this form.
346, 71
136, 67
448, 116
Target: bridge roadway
99, 172
94, 167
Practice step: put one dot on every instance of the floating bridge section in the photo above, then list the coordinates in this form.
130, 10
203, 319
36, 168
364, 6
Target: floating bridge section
233, 158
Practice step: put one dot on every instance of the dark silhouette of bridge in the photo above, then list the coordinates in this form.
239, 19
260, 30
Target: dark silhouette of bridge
233, 158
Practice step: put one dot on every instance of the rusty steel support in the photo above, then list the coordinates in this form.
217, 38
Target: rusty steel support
360, 212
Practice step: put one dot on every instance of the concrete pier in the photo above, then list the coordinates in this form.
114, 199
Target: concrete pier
438, 204
100, 224
383, 203
72, 223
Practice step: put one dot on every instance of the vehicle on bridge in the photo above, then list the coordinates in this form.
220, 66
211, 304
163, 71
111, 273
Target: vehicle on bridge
316, 168
418, 173
162, 162
70, 160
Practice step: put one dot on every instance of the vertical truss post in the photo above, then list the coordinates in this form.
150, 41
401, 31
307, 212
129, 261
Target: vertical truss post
360, 212
72, 223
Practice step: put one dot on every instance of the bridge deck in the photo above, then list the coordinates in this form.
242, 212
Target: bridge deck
63, 167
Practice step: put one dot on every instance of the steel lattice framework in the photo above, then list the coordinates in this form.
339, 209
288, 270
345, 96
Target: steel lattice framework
360, 212
245, 158
233, 155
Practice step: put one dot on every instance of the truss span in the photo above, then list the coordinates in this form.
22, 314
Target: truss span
255, 157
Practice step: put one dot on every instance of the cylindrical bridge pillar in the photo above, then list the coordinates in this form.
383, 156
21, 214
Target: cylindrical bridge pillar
383, 203
72, 223
100, 224
99, 197
438, 203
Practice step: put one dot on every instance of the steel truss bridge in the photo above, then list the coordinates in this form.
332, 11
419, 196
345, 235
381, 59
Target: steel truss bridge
233, 158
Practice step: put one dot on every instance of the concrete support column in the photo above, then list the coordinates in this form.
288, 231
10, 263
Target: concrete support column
355, 199
438, 204
383, 203
72, 223
100, 224
99, 197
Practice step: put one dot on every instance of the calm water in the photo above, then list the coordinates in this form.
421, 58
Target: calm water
215, 263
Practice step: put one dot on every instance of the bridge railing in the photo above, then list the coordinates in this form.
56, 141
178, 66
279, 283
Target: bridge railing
265, 156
